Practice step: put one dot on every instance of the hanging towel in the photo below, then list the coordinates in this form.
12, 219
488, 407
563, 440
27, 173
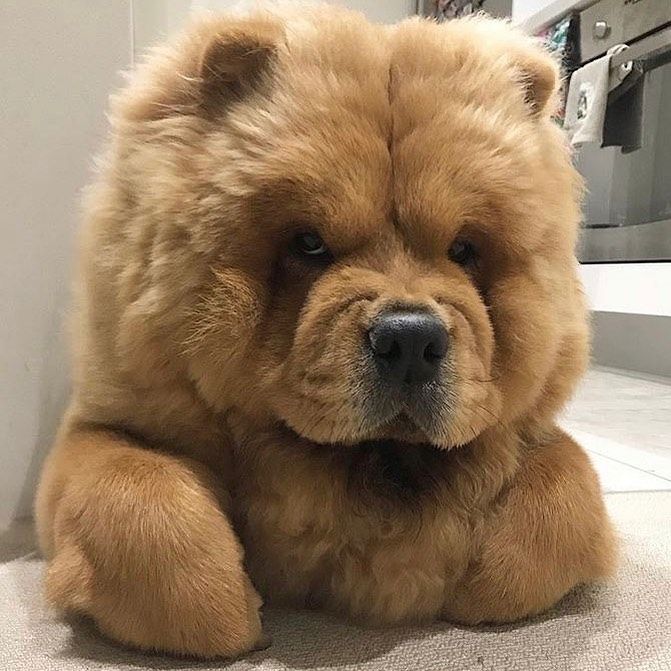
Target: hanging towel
587, 100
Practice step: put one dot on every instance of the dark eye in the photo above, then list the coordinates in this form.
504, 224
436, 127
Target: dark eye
310, 244
462, 252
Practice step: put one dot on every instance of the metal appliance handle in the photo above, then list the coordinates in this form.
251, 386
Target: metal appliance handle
647, 50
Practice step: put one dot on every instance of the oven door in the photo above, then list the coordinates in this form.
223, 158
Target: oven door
627, 207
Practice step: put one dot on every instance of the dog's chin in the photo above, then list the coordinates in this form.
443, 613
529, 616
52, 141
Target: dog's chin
400, 430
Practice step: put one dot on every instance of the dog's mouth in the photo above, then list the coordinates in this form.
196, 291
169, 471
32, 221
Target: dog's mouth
400, 430
404, 429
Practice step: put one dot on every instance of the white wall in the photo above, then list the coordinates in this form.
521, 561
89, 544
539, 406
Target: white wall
523, 9
58, 62
381, 11
534, 15
154, 20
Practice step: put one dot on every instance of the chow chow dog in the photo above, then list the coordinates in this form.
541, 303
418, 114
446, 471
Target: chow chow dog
327, 314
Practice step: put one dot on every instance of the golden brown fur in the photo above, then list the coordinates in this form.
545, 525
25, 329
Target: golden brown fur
222, 400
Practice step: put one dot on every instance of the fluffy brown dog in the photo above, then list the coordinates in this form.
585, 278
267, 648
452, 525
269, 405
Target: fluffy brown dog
328, 313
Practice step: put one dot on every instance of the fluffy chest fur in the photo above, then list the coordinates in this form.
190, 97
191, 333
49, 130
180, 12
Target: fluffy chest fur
380, 530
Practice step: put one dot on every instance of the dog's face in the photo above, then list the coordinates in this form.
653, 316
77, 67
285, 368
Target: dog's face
382, 221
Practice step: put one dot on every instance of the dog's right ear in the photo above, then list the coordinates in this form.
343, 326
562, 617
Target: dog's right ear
217, 60
235, 60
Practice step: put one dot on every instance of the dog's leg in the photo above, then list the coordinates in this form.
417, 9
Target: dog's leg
546, 534
139, 541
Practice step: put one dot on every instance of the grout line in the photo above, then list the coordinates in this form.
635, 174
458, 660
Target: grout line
636, 491
624, 463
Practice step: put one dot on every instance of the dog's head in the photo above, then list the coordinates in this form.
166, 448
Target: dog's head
359, 232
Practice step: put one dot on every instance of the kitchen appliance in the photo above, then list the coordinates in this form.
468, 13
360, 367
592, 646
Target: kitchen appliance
627, 207
444, 10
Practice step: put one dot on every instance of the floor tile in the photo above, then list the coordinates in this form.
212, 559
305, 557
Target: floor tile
630, 410
617, 477
654, 463
624, 423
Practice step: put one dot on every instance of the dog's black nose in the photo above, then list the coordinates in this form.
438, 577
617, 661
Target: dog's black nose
409, 346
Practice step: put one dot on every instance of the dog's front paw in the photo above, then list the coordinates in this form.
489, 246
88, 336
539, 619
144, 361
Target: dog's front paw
159, 566
215, 615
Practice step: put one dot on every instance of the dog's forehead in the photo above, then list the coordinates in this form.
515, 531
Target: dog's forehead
417, 130
466, 147
457, 156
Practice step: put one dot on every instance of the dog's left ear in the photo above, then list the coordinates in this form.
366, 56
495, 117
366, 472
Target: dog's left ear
539, 74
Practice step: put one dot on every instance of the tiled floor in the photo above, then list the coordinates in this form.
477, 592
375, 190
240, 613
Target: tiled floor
624, 422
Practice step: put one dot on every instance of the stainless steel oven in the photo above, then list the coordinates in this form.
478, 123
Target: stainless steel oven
627, 212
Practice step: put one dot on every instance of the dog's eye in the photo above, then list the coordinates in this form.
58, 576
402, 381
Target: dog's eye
462, 252
310, 244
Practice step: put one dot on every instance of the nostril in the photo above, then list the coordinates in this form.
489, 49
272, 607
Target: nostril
383, 344
431, 354
436, 349
394, 352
